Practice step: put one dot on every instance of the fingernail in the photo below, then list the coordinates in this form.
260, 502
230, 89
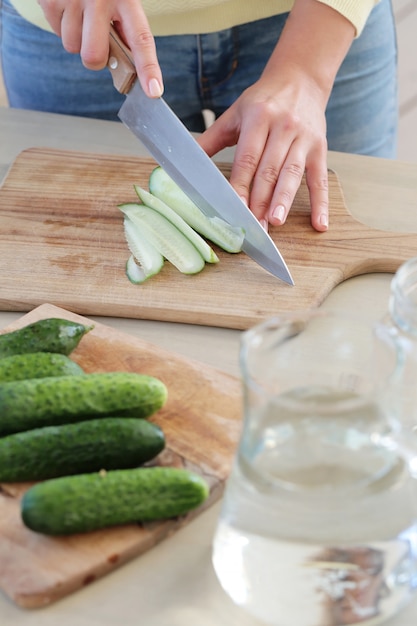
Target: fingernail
279, 213
324, 220
155, 88
264, 224
243, 200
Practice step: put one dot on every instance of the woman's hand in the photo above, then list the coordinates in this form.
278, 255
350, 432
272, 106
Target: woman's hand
84, 28
278, 124
279, 130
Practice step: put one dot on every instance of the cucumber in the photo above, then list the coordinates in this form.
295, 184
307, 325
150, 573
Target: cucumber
136, 272
107, 443
47, 335
149, 260
37, 365
27, 404
165, 237
229, 238
77, 504
161, 207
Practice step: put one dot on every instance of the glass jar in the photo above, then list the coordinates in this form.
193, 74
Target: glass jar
400, 327
318, 521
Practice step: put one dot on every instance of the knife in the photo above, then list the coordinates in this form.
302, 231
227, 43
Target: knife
177, 152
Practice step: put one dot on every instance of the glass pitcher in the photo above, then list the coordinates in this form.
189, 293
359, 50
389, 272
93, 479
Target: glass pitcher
400, 327
318, 525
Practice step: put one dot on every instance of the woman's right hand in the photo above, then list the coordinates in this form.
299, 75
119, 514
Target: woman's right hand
84, 26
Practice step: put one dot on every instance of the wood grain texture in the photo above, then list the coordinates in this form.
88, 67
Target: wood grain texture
201, 421
61, 241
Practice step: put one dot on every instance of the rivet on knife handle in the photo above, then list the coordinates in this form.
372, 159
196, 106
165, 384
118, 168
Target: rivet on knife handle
120, 63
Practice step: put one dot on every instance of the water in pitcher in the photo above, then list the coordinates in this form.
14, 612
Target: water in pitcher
319, 535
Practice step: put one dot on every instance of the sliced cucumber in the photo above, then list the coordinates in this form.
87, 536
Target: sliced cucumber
135, 272
161, 207
146, 260
229, 238
165, 237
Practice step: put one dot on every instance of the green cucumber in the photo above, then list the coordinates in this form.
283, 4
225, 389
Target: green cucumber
165, 237
159, 205
229, 238
37, 365
27, 404
106, 443
77, 504
145, 260
47, 335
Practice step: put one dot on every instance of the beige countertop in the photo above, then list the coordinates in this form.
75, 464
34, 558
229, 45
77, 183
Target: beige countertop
174, 584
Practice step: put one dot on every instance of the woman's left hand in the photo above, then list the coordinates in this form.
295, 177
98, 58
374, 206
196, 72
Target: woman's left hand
279, 130
278, 124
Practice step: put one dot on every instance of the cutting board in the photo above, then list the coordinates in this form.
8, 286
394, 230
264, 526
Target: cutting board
61, 241
201, 421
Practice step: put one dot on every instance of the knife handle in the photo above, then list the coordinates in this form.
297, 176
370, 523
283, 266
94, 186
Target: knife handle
120, 63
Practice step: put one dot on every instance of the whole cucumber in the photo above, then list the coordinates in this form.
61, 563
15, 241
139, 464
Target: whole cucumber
27, 404
37, 365
48, 335
76, 504
106, 443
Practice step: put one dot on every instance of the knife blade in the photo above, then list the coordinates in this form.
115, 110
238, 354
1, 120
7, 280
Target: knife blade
178, 153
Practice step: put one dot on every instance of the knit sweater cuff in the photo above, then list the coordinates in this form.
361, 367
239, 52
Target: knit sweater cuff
356, 11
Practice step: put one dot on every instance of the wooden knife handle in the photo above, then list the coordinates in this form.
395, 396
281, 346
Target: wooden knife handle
120, 63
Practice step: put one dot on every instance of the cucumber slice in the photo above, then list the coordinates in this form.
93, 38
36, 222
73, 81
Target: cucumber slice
229, 238
159, 205
134, 271
149, 260
165, 237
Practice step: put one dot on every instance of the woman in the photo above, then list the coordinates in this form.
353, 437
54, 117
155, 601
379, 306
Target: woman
286, 80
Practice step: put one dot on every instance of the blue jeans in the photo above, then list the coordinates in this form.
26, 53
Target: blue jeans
210, 71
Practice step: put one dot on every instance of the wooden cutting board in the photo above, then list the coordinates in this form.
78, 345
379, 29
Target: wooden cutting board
61, 241
201, 421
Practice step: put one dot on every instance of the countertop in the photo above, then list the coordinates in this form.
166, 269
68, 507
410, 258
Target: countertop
174, 584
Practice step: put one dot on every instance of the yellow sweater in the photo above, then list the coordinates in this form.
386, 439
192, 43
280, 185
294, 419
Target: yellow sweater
176, 17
